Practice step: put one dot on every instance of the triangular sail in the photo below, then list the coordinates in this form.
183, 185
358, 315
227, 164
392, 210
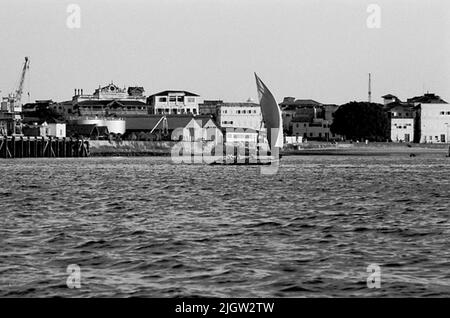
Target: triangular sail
271, 114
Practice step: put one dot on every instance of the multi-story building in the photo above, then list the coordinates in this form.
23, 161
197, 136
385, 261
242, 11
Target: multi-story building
174, 103
318, 129
295, 108
432, 120
239, 115
210, 107
105, 101
308, 118
402, 119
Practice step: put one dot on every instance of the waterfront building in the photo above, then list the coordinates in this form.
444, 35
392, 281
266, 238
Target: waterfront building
105, 101
163, 126
241, 136
308, 119
315, 129
432, 120
210, 107
402, 121
171, 102
33, 126
298, 108
239, 115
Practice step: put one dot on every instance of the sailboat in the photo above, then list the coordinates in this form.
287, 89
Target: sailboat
271, 115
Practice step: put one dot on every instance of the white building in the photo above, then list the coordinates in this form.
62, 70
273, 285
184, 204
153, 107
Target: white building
174, 102
239, 115
402, 119
434, 123
241, 136
57, 130
433, 118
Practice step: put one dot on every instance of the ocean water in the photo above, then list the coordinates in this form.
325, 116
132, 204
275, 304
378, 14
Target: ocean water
145, 227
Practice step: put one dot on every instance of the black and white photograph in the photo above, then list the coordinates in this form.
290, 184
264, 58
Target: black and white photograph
241, 151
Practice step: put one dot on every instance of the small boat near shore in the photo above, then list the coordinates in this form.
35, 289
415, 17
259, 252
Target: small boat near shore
271, 115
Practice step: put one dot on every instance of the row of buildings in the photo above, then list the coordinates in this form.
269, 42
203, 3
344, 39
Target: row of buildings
128, 113
422, 119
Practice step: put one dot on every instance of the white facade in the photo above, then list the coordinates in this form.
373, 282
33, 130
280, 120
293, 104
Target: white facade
174, 102
239, 115
241, 136
57, 130
402, 129
434, 123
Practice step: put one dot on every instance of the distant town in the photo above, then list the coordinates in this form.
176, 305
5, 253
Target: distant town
115, 113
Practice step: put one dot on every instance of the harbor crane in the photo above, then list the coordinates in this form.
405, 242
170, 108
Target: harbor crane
12, 104
14, 100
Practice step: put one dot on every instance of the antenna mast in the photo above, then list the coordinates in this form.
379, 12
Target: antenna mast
370, 89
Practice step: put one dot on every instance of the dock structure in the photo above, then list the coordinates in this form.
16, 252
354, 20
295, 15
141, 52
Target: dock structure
41, 147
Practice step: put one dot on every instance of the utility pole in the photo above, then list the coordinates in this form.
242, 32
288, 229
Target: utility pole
370, 89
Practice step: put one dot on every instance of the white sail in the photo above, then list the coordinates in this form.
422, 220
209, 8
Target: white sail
271, 114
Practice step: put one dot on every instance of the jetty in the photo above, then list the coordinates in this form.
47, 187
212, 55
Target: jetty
41, 147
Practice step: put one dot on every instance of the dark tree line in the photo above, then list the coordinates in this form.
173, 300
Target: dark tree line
361, 121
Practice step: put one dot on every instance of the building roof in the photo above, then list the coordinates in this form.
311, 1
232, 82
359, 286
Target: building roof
389, 96
397, 104
148, 122
167, 92
427, 99
111, 102
239, 104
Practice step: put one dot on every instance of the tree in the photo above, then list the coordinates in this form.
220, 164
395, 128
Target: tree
360, 121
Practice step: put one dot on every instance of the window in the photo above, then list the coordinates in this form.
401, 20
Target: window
163, 99
442, 113
448, 113
244, 111
194, 111
238, 111
172, 98
188, 110
191, 100
180, 98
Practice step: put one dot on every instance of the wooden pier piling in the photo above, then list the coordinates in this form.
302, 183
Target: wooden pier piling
39, 147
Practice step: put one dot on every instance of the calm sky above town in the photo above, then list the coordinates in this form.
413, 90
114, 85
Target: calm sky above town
321, 50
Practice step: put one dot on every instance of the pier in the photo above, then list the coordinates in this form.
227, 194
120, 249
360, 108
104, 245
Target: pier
41, 147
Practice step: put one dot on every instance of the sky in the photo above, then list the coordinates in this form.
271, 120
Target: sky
309, 49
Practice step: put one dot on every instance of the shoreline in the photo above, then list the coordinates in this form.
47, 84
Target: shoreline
101, 148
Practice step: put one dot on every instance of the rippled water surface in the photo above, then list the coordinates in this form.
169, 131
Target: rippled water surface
145, 227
